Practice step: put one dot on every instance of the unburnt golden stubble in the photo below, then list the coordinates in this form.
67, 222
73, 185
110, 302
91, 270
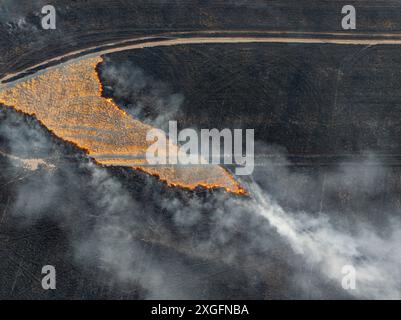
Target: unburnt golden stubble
68, 100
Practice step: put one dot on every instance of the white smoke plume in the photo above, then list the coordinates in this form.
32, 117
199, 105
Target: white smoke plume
138, 232
144, 97
133, 237
376, 259
14, 14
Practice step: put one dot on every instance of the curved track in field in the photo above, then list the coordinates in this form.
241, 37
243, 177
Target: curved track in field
216, 37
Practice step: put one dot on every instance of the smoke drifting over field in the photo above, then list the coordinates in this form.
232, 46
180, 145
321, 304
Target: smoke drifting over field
15, 13
132, 234
144, 97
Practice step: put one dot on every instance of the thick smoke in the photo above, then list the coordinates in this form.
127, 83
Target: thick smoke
376, 259
144, 97
143, 234
14, 14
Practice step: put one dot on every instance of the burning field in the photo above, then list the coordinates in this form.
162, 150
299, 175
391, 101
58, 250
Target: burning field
68, 101
76, 192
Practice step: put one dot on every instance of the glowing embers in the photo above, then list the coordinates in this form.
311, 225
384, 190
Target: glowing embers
67, 100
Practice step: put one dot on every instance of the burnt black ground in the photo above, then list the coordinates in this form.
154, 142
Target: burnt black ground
324, 104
